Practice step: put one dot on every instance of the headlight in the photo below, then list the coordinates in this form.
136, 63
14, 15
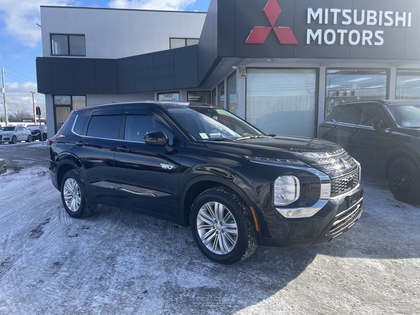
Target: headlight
275, 161
286, 190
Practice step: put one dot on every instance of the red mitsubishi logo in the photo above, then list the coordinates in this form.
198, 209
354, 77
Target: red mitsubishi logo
259, 34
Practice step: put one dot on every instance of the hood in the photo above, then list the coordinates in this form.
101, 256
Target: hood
323, 155
414, 132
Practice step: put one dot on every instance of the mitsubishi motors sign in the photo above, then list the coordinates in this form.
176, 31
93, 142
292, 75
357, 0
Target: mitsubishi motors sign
380, 29
342, 25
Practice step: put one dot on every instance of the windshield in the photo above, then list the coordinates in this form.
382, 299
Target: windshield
212, 124
406, 115
7, 128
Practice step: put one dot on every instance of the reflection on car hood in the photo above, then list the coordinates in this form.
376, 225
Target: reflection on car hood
321, 154
413, 131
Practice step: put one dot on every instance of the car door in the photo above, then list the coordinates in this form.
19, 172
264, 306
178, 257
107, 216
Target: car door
95, 148
20, 133
341, 125
147, 175
371, 139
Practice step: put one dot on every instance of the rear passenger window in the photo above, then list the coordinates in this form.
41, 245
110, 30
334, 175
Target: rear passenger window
104, 126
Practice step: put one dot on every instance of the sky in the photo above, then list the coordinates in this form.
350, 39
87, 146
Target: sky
20, 41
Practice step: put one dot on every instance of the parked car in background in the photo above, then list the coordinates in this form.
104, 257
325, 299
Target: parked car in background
205, 167
384, 136
39, 132
13, 134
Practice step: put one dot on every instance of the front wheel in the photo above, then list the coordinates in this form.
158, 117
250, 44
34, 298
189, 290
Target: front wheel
74, 197
221, 226
14, 140
404, 181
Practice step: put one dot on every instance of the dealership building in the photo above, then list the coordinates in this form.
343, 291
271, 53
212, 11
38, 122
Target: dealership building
280, 64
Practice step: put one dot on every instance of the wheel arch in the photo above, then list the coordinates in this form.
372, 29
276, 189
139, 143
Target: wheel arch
399, 155
199, 184
64, 166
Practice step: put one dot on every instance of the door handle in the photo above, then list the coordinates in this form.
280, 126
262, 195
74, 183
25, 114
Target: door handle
80, 143
123, 149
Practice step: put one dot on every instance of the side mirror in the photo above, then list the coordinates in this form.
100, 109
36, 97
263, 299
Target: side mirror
156, 138
378, 124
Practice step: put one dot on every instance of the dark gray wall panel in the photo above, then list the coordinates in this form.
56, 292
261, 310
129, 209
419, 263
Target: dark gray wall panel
84, 74
106, 76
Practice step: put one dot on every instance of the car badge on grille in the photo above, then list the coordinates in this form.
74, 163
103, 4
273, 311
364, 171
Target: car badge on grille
345, 163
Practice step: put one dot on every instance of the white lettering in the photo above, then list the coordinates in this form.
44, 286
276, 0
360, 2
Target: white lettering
347, 17
329, 37
378, 36
354, 41
342, 34
401, 18
312, 15
357, 17
317, 36
362, 17
371, 18
342, 37
388, 18
367, 38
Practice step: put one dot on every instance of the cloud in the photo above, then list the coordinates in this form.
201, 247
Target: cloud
20, 19
18, 96
173, 5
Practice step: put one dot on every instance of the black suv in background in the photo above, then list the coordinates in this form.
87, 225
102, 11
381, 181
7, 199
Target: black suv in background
203, 166
384, 136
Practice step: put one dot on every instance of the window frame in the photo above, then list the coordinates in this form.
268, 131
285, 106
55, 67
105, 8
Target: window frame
68, 44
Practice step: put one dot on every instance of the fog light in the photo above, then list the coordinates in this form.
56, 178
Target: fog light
286, 190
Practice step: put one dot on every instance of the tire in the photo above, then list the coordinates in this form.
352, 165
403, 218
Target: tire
14, 140
404, 181
221, 226
29, 138
73, 196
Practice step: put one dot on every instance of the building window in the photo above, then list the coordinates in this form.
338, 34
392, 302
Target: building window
221, 95
199, 96
408, 85
182, 42
232, 96
346, 85
63, 105
68, 45
282, 101
168, 96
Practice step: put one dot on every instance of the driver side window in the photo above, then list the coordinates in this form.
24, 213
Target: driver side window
137, 126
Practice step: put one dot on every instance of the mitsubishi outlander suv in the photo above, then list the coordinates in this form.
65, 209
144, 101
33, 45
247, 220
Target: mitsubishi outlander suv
202, 166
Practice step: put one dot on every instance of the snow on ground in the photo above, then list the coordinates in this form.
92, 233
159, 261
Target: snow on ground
121, 262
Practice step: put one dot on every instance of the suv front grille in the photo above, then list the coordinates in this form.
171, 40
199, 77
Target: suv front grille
344, 183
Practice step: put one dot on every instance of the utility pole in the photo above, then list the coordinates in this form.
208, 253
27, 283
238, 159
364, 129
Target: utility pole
33, 106
6, 119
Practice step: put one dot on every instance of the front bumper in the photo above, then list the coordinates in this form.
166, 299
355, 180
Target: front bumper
337, 216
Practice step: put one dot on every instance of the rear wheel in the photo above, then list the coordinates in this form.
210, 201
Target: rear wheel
404, 181
73, 196
221, 226
29, 139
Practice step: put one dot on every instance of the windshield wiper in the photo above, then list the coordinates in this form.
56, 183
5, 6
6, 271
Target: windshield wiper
251, 137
